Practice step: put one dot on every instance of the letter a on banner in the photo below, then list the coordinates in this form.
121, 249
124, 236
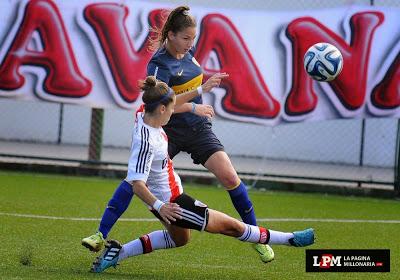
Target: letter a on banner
125, 65
63, 77
247, 95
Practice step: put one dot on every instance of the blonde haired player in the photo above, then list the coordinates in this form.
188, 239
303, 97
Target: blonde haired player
152, 178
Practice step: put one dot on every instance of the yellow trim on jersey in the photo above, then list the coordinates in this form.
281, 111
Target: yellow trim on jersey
189, 85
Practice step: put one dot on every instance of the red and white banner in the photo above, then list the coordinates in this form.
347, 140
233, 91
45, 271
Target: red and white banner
93, 53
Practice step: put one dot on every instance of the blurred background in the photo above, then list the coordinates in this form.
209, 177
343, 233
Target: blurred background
355, 153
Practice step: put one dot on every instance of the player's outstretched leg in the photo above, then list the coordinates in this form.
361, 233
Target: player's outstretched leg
108, 258
156, 240
221, 223
244, 207
220, 165
255, 234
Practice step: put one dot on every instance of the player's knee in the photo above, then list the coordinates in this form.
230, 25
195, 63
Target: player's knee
229, 180
181, 240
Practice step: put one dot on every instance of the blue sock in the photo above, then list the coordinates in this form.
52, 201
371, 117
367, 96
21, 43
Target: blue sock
116, 207
243, 205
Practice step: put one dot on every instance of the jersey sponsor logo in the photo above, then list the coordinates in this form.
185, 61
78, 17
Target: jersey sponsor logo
179, 73
198, 203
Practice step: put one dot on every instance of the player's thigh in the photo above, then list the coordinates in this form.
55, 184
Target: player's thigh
221, 166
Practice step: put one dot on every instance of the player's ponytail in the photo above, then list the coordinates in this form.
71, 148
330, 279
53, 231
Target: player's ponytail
155, 93
177, 20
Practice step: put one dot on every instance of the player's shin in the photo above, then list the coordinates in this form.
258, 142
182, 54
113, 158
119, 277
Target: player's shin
116, 207
260, 235
255, 234
242, 203
155, 240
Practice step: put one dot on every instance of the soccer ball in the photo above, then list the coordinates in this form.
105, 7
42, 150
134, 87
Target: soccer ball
323, 62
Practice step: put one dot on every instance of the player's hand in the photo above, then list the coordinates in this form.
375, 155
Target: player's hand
169, 212
204, 111
213, 81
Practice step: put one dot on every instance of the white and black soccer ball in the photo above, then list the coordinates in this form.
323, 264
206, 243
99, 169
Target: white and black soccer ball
323, 62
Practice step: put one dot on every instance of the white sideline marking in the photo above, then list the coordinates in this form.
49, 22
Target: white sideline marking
327, 220
156, 220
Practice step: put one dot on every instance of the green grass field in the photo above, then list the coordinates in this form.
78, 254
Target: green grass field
34, 247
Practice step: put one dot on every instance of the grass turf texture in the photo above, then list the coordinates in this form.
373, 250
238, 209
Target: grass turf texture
50, 249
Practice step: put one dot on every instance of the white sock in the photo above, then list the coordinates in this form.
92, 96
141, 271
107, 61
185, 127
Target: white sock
130, 249
251, 234
255, 234
155, 240
279, 238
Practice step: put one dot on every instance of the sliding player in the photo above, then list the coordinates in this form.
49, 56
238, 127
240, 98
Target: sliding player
152, 178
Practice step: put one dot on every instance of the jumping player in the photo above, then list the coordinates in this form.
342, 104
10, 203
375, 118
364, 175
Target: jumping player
151, 176
189, 129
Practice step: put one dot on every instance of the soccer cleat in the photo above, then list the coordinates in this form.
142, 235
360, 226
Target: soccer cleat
94, 242
108, 258
265, 251
302, 238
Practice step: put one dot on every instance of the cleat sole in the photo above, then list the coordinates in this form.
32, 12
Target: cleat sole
95, 250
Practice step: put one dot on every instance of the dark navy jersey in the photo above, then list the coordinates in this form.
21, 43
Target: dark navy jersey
181, 75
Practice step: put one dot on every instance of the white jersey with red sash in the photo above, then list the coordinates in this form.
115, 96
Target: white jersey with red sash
149, 161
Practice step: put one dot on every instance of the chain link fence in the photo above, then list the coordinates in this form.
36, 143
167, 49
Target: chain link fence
356, 152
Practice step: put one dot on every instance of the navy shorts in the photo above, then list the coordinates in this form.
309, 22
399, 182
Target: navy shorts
194, 215
198, 141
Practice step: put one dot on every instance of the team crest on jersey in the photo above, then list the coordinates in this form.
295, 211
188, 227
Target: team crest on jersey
195, 61
198, 203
